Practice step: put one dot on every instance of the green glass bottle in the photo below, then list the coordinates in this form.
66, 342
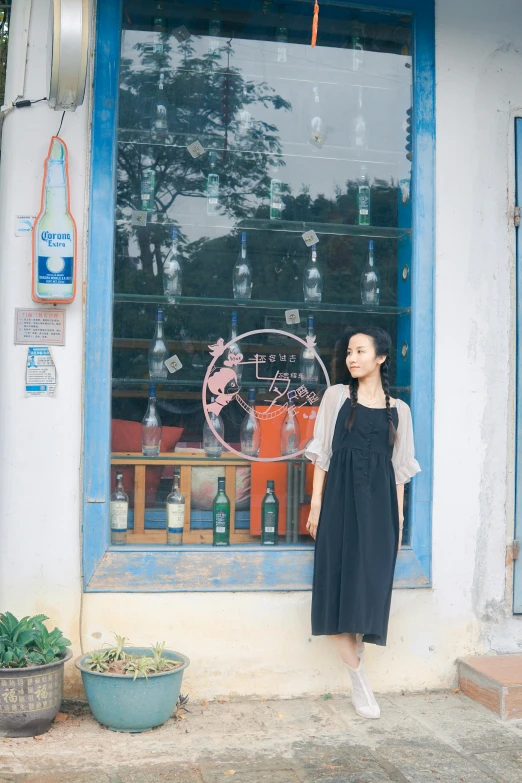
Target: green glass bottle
269, 516
221, 516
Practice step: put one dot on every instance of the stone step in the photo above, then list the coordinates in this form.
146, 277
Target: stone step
495, 681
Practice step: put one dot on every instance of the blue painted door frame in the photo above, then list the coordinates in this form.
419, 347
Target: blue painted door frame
156, 568
517, 574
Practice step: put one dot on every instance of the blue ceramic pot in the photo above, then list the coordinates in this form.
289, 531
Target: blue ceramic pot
124, 704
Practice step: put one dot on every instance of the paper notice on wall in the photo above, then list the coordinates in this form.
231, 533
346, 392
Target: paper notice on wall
40, 373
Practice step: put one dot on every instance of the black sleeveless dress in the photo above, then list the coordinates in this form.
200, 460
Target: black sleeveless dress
358, 532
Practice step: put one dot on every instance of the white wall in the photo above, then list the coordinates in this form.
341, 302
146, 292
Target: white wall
260, 643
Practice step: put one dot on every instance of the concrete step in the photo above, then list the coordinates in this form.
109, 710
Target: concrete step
495, 681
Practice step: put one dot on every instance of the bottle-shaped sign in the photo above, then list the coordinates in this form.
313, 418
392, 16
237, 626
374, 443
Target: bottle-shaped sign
269, 516
175, 513
221, 516
54, 233
119, 512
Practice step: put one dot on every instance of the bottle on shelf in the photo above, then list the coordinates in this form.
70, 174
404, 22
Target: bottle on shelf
172, 271
363, 198
290, 435
235, 347
119, 512
214, 28
158, 351
151, 427
269, 516
212, 185
370, 280
148, 181
213, 448
242, 274
317, 133
175, 513
250, 430
308, 366
312, 278
244, 117
281, 36
276, 190
360, 133
357, 46
159, 28
159, 126
221, 516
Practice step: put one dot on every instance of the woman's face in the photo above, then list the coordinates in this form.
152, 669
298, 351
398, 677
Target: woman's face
360, 357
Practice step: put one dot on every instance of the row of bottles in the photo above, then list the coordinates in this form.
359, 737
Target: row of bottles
242, 281
175, 514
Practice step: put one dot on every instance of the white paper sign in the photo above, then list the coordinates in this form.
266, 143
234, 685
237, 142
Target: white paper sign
310, 238
40, 373
196, 149
39, 327
292, 316
317, 139
173, 364
24, 225
181, 34
138, 217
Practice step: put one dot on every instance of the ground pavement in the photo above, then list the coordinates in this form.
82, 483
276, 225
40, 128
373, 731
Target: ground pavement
419, 738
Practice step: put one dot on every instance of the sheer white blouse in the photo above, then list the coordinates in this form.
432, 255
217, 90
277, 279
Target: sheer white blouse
319, 449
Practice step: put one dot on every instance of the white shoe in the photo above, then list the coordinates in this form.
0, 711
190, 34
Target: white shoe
363, 699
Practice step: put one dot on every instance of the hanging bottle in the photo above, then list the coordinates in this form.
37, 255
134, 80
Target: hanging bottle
363, 198
370, 281
242, 273
214, 28
159, 28
290, 435
276, 190
148, 181
235, 347
158, 351
151, 427
357, 46
281, 36
360, 133
312, 278
317, 131
175, 513
212, 185
221, 516
172, 271
159, 114
250, 430
244, 117
308, 366
269, 516
119, 512
213, 447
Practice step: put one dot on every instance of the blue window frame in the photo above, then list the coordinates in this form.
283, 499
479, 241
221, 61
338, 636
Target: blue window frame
151, 568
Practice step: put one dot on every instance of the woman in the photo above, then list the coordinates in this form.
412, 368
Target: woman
363, 441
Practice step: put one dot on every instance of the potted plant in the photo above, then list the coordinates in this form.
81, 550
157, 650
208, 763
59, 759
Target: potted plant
132, 688
31, 674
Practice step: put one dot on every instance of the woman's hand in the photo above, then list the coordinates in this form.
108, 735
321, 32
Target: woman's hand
313, 520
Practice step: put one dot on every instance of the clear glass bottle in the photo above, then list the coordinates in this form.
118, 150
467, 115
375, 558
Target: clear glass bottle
281, 36
242, 273
221, 516
175, 513
235, 347
360, 134
119, 512
214, 28
290, 435
363, 198
317, 131
269, 516
159, 26
159, 125
312, 278
212, 185
151, 427
250, 430
244, 117
158, 351
213, 448
358, 46
172, 271
148, 181
276, 190
370, 281
308, 366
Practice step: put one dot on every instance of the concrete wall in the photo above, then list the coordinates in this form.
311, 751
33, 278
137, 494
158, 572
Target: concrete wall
260, 643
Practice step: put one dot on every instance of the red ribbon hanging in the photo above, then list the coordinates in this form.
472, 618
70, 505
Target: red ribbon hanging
315, 22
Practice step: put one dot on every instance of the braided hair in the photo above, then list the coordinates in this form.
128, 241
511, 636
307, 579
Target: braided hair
340, 373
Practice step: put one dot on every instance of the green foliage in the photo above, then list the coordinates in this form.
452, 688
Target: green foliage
99, 661
139, 666
27, 642
117, 653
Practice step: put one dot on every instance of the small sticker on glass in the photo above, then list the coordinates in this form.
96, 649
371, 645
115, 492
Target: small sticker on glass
310, 238
173, 364
196, 149
138, 217
181, 34
317, 139
292, 317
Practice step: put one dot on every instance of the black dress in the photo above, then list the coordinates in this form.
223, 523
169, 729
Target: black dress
358, 531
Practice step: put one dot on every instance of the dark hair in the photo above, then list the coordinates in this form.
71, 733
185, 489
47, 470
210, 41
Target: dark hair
340, 373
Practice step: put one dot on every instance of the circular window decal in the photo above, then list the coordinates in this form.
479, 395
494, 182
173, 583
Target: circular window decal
221, 380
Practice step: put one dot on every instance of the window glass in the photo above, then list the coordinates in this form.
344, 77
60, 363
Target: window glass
236, 139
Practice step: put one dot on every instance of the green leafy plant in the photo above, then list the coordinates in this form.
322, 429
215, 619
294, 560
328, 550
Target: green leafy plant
139, 666
116, 661
117, 653
27, 642
99, 661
